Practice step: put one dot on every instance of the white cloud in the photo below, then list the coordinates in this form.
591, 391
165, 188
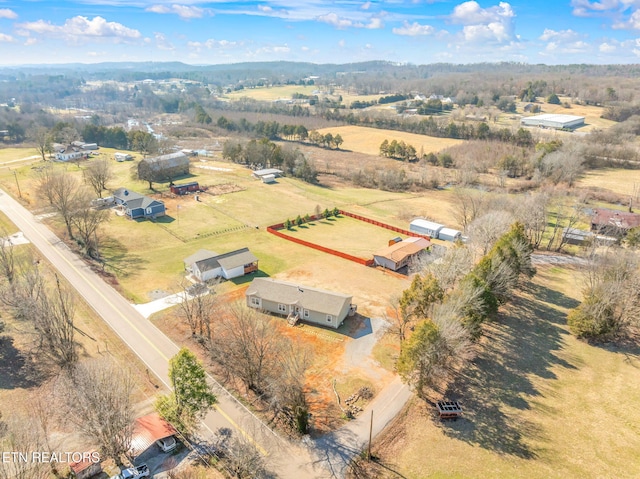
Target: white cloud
212, 44
81, 29
587, 8
304, 48
561, 35
375, 23
414, 29
335, 20
183, 11
492, 24
366, 6
607, 48
30, 41
633, 23
342, 43
6, 13
162, 43
4, 38
265, 8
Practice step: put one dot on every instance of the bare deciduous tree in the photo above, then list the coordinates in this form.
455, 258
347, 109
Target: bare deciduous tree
96, 398
61, 189
22, 436
42, 139
469, 204
247, 344
198, 306
87, 221
97, 174
485, 230
7, 258
53, 321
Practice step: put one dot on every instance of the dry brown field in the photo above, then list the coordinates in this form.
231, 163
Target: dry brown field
367, 140
537, 402
618, 180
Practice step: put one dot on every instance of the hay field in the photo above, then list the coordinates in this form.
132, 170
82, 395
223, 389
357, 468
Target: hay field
272, 93
617, 180
368, 140
537, 402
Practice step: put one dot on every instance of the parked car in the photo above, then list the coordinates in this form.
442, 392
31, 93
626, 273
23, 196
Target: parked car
133, 472
167, 444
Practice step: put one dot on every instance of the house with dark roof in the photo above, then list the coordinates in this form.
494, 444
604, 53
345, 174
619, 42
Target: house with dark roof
613, 222
317, 306
205, 265
136, 205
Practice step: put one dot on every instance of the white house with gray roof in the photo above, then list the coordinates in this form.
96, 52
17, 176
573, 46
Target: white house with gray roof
205, 265
311, 305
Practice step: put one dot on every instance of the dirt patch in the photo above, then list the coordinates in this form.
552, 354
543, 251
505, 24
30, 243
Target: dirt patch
223, 189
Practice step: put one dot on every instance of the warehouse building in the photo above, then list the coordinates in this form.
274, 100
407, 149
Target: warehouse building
557, 122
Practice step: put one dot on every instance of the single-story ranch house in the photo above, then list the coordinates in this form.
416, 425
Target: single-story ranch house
312, 305
400, 254
205, 265
613, 222
138, 206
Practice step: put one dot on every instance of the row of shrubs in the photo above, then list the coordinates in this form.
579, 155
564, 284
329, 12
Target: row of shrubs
300, 220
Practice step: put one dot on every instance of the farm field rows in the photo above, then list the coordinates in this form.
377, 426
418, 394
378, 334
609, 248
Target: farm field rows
368, 140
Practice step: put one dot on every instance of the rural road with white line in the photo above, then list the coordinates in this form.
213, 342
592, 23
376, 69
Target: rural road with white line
326, 457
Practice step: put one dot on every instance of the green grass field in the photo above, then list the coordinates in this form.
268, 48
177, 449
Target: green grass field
344, 234
537, 402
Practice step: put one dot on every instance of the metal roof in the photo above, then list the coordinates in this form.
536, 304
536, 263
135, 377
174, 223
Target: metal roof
318, 300
398, 251
147, 430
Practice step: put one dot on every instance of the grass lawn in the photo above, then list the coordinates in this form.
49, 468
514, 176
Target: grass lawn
537, 402
368, 140
344, 234
272, 93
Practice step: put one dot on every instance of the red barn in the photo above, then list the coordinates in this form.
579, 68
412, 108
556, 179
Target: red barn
185, 188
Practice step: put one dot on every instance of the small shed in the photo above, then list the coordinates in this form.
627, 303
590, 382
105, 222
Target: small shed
425, 227
449, 234
118, 156
259, 174
449, 410
269, 178
88, 466
185, 188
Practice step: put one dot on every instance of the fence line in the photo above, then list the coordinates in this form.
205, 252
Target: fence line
384, 225
274, 230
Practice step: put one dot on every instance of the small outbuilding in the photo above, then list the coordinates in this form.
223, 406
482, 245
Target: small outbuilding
269, 179
449, 234
185, 188
87, 467
425, 227
260, 174
167, 166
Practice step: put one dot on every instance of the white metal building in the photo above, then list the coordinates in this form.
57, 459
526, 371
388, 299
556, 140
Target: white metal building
449, 234
425, 227
557, 122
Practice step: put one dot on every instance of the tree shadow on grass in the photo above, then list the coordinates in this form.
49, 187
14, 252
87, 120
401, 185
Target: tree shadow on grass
523, 343
116, 257
16, 371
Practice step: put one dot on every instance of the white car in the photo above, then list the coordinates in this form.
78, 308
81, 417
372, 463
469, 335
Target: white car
167, 444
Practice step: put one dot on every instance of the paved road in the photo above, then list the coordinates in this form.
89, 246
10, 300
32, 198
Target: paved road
287, 459
326, 457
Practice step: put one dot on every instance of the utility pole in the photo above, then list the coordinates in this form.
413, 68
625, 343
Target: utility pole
15, 175
370, 436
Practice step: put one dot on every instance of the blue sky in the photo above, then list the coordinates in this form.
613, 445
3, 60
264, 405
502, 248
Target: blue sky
320, 31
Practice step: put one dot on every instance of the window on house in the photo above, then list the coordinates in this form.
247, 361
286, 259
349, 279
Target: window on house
306, 313
282, 308
255, 301
329, 318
